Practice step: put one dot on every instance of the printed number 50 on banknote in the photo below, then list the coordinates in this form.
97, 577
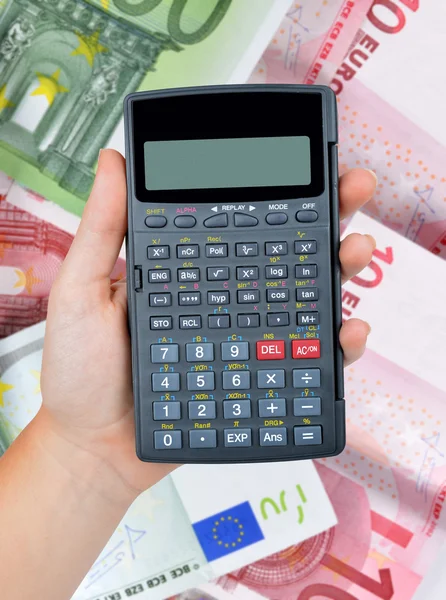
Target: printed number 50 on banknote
66, 66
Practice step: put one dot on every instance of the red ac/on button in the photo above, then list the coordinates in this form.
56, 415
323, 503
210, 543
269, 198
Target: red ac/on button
306, 348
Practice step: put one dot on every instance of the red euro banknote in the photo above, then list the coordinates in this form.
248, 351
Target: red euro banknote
31, 252
391, 116
388, 490
311, 41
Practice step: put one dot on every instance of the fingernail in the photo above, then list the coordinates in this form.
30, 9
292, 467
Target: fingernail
370, 329
373, 173
372, 239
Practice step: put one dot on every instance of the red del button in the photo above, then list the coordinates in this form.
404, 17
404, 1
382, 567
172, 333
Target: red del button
271, 350
306, 348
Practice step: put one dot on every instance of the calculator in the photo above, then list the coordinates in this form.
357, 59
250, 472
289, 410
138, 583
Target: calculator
234, 283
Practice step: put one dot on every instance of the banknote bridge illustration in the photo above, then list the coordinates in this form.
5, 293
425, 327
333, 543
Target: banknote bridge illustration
65, 68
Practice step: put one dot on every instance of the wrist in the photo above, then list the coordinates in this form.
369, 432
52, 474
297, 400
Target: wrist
88, 470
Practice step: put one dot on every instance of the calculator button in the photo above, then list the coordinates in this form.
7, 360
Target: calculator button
252, 320
160, 299
167, 440
276, 248
185, 251
306, 378
272, 350
220, 220
165, 382
305, 247
203, 438
276, 272
159, 275
219, 321
158, 252
272, 407
306, 216
236, 409
218, 297
190, 322
243, 220
155, 221
200, 381
277, 295
306, 348
303, 271
307, 294
247, 249
278, 319
164, 353
216, 250
189, 298
276, 218
185, 221
200, 352
273, 436
188, 274
166, 411
202, 410
236, 380
217, 273
310, 318
160, 322
235, 351
307, 407
247, 273
237, 438
308, 436
270, 378
248, 296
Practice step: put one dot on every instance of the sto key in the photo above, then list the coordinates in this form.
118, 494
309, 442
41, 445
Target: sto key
271, 350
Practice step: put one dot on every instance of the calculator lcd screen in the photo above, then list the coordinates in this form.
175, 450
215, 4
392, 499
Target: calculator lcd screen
217, 146
227, 163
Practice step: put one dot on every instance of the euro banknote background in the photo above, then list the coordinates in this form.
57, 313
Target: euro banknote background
383, 59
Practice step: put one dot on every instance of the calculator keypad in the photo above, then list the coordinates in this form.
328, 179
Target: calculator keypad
238, 321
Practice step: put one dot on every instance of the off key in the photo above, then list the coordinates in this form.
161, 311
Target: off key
271, 350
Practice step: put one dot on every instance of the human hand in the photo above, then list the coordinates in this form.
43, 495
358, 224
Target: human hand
86, 376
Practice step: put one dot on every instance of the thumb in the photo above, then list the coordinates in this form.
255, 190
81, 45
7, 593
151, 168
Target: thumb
101, 232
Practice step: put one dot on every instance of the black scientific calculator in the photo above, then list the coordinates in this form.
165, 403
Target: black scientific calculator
234, 282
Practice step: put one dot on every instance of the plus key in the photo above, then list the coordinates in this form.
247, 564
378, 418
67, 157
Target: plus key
272, 350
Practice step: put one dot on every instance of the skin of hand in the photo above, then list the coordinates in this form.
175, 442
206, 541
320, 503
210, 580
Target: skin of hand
77, 458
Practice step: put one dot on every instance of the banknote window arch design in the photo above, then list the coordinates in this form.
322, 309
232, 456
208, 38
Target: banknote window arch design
65, 68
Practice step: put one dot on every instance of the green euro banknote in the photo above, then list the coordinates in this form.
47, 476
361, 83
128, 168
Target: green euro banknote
197, 524
66, 66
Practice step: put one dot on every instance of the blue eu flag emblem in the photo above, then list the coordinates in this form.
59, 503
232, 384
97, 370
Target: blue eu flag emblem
228, 531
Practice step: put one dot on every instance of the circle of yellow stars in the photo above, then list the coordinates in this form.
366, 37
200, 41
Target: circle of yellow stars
240, 532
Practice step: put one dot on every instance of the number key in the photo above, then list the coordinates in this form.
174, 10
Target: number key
202, 410
200, 352
170, 411
200, 381
236, 380
235, 351
165, 382
164, 353
240, 409
167, 440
